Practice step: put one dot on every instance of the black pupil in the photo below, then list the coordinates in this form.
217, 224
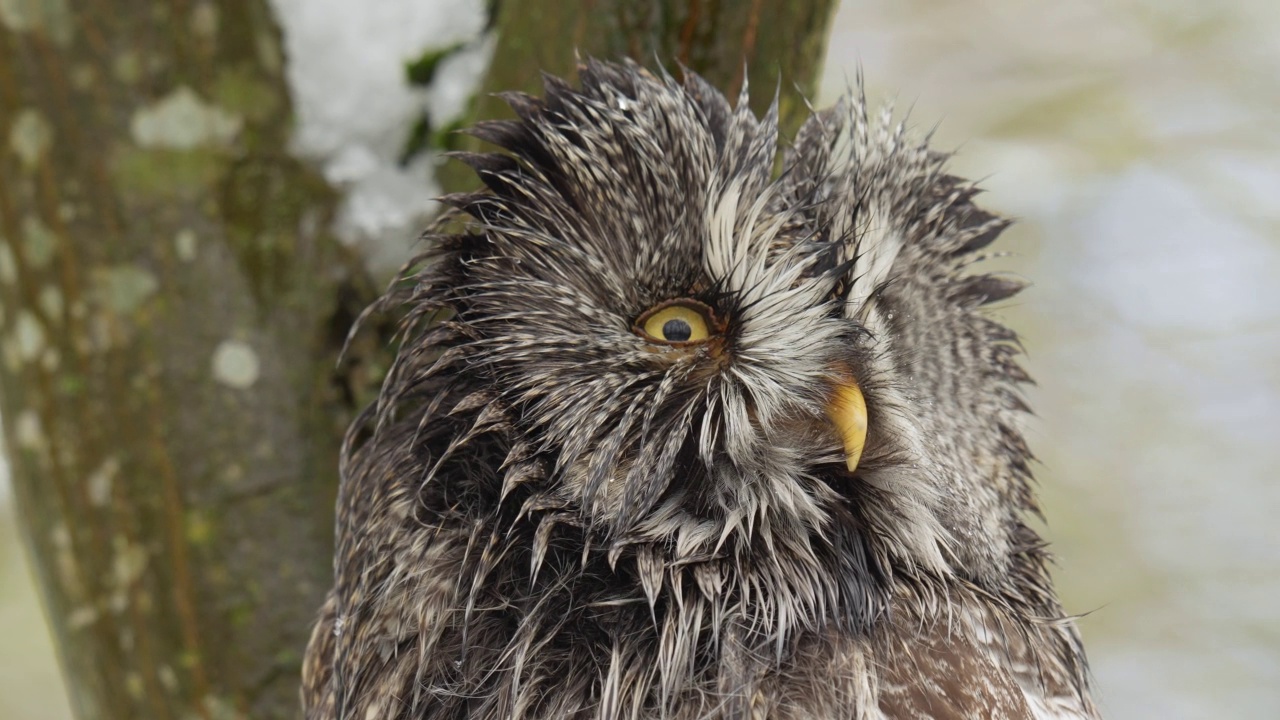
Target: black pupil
676, 330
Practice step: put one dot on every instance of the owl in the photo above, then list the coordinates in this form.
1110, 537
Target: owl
679, 430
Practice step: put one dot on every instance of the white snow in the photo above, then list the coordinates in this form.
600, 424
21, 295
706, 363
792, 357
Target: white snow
355, 107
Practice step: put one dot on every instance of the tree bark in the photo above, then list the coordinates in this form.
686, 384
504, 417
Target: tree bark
172, 302
775, 44
170, 316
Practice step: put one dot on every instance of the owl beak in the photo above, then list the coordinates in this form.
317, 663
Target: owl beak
848, 413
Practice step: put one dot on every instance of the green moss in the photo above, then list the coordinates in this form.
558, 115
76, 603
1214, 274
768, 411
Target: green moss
71, 384
423, 70
241, 91
424, 136
147, 176
449, 137
288, 658
241, 615
199, 528
260, 197
418, 138
127, 67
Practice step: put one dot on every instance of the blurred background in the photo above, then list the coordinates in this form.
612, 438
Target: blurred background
1136, 142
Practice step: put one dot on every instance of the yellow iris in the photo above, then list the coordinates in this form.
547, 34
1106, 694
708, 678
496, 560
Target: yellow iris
679, 322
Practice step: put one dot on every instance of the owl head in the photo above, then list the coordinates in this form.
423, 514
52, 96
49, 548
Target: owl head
649, 345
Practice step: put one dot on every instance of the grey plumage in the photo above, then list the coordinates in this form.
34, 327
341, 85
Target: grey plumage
549, 515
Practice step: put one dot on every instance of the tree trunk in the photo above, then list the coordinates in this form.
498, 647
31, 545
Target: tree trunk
171, 304
780, 44
170, 301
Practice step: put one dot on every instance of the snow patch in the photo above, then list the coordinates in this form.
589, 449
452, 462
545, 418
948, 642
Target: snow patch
355, 106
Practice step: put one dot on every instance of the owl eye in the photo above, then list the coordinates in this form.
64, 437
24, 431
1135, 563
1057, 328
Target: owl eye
676, 322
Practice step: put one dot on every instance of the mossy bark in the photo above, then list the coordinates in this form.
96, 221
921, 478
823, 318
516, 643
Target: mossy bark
775, 44
171, 305
170, 309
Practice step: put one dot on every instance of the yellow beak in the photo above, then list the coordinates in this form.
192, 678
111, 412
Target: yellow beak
848, 412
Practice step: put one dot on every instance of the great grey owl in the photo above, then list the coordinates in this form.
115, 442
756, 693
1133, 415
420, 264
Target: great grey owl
671, 435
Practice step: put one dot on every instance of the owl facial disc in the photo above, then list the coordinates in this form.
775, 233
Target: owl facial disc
848, 413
